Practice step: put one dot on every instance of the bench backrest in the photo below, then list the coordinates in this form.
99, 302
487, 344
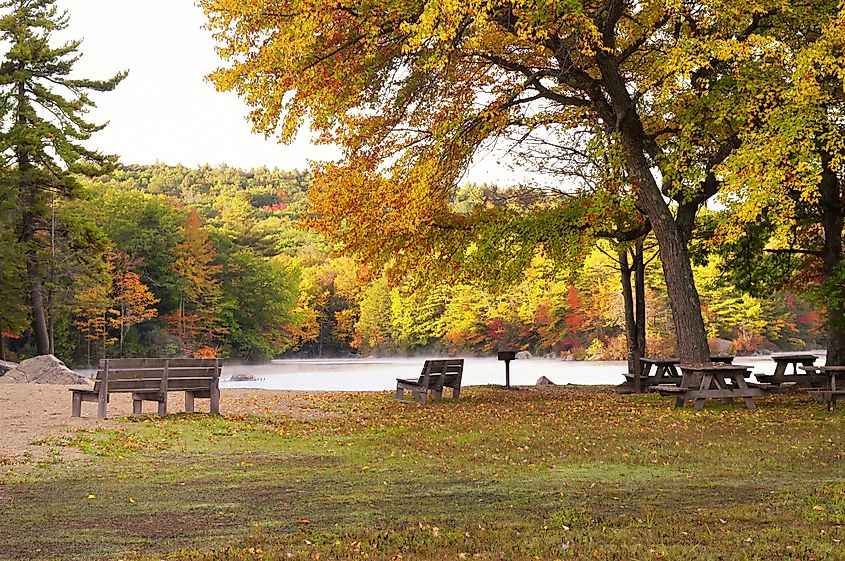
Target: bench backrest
442, 373
150, 375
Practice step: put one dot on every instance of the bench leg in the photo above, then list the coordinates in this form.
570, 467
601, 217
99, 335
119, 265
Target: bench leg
189, 402
102, 400
400, 394
706, 383
215, 401
456, 393
685, 384
743, 387
162, 406
76, 405
422, 395
137, 406
438, 395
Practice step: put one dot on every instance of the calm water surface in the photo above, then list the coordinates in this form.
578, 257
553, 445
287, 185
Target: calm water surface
368, 374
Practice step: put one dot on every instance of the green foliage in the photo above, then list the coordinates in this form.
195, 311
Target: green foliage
258, 296
44, 127
249, 281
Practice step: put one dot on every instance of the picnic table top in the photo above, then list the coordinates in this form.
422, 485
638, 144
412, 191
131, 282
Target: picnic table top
794, 357
675, 360
714, 367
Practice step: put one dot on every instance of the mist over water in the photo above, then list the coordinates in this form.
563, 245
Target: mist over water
368, 374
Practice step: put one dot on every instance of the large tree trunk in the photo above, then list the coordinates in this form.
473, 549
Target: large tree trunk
680, 287
832, 221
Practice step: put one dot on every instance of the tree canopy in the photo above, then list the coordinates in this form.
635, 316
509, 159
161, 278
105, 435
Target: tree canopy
413, 91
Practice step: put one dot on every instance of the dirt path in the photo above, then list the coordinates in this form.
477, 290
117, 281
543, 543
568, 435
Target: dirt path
30, 413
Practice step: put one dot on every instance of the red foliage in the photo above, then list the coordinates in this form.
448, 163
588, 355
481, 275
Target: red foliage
575, 319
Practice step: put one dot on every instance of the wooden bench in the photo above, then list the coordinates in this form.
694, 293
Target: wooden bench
150, 379
435, 376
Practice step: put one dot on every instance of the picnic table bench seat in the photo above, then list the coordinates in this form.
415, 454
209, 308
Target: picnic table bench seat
830, 393
150, 379
435, 376
827, 395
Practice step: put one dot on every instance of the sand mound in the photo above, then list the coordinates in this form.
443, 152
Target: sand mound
44, 369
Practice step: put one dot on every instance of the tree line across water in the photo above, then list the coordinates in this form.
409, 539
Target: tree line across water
167, 260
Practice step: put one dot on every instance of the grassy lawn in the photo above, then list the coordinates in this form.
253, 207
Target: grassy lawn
530, 474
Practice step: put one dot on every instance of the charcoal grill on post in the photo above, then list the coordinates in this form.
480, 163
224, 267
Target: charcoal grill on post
507, 356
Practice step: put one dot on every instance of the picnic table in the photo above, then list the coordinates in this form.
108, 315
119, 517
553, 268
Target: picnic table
829, 394
798, 379
665, 371
713, 380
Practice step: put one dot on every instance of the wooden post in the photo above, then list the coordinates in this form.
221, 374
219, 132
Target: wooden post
507, 373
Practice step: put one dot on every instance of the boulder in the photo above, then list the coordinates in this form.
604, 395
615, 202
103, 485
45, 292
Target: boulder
44, 369
522, 355
5, 366
543, 381
719, 346
241, 377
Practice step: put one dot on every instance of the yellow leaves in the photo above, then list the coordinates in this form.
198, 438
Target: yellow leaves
91, 496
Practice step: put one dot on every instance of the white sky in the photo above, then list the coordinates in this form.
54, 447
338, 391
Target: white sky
165, 110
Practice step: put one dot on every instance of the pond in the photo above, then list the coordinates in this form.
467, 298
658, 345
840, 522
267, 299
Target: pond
378, 374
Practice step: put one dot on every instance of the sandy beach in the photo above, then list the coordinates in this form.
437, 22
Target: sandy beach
30, 413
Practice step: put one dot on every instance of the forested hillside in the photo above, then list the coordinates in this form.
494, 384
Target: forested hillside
161, 261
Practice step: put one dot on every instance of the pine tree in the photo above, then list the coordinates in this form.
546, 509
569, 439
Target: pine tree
44, 127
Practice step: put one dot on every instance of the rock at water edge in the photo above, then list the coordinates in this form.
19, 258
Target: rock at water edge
44, 369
